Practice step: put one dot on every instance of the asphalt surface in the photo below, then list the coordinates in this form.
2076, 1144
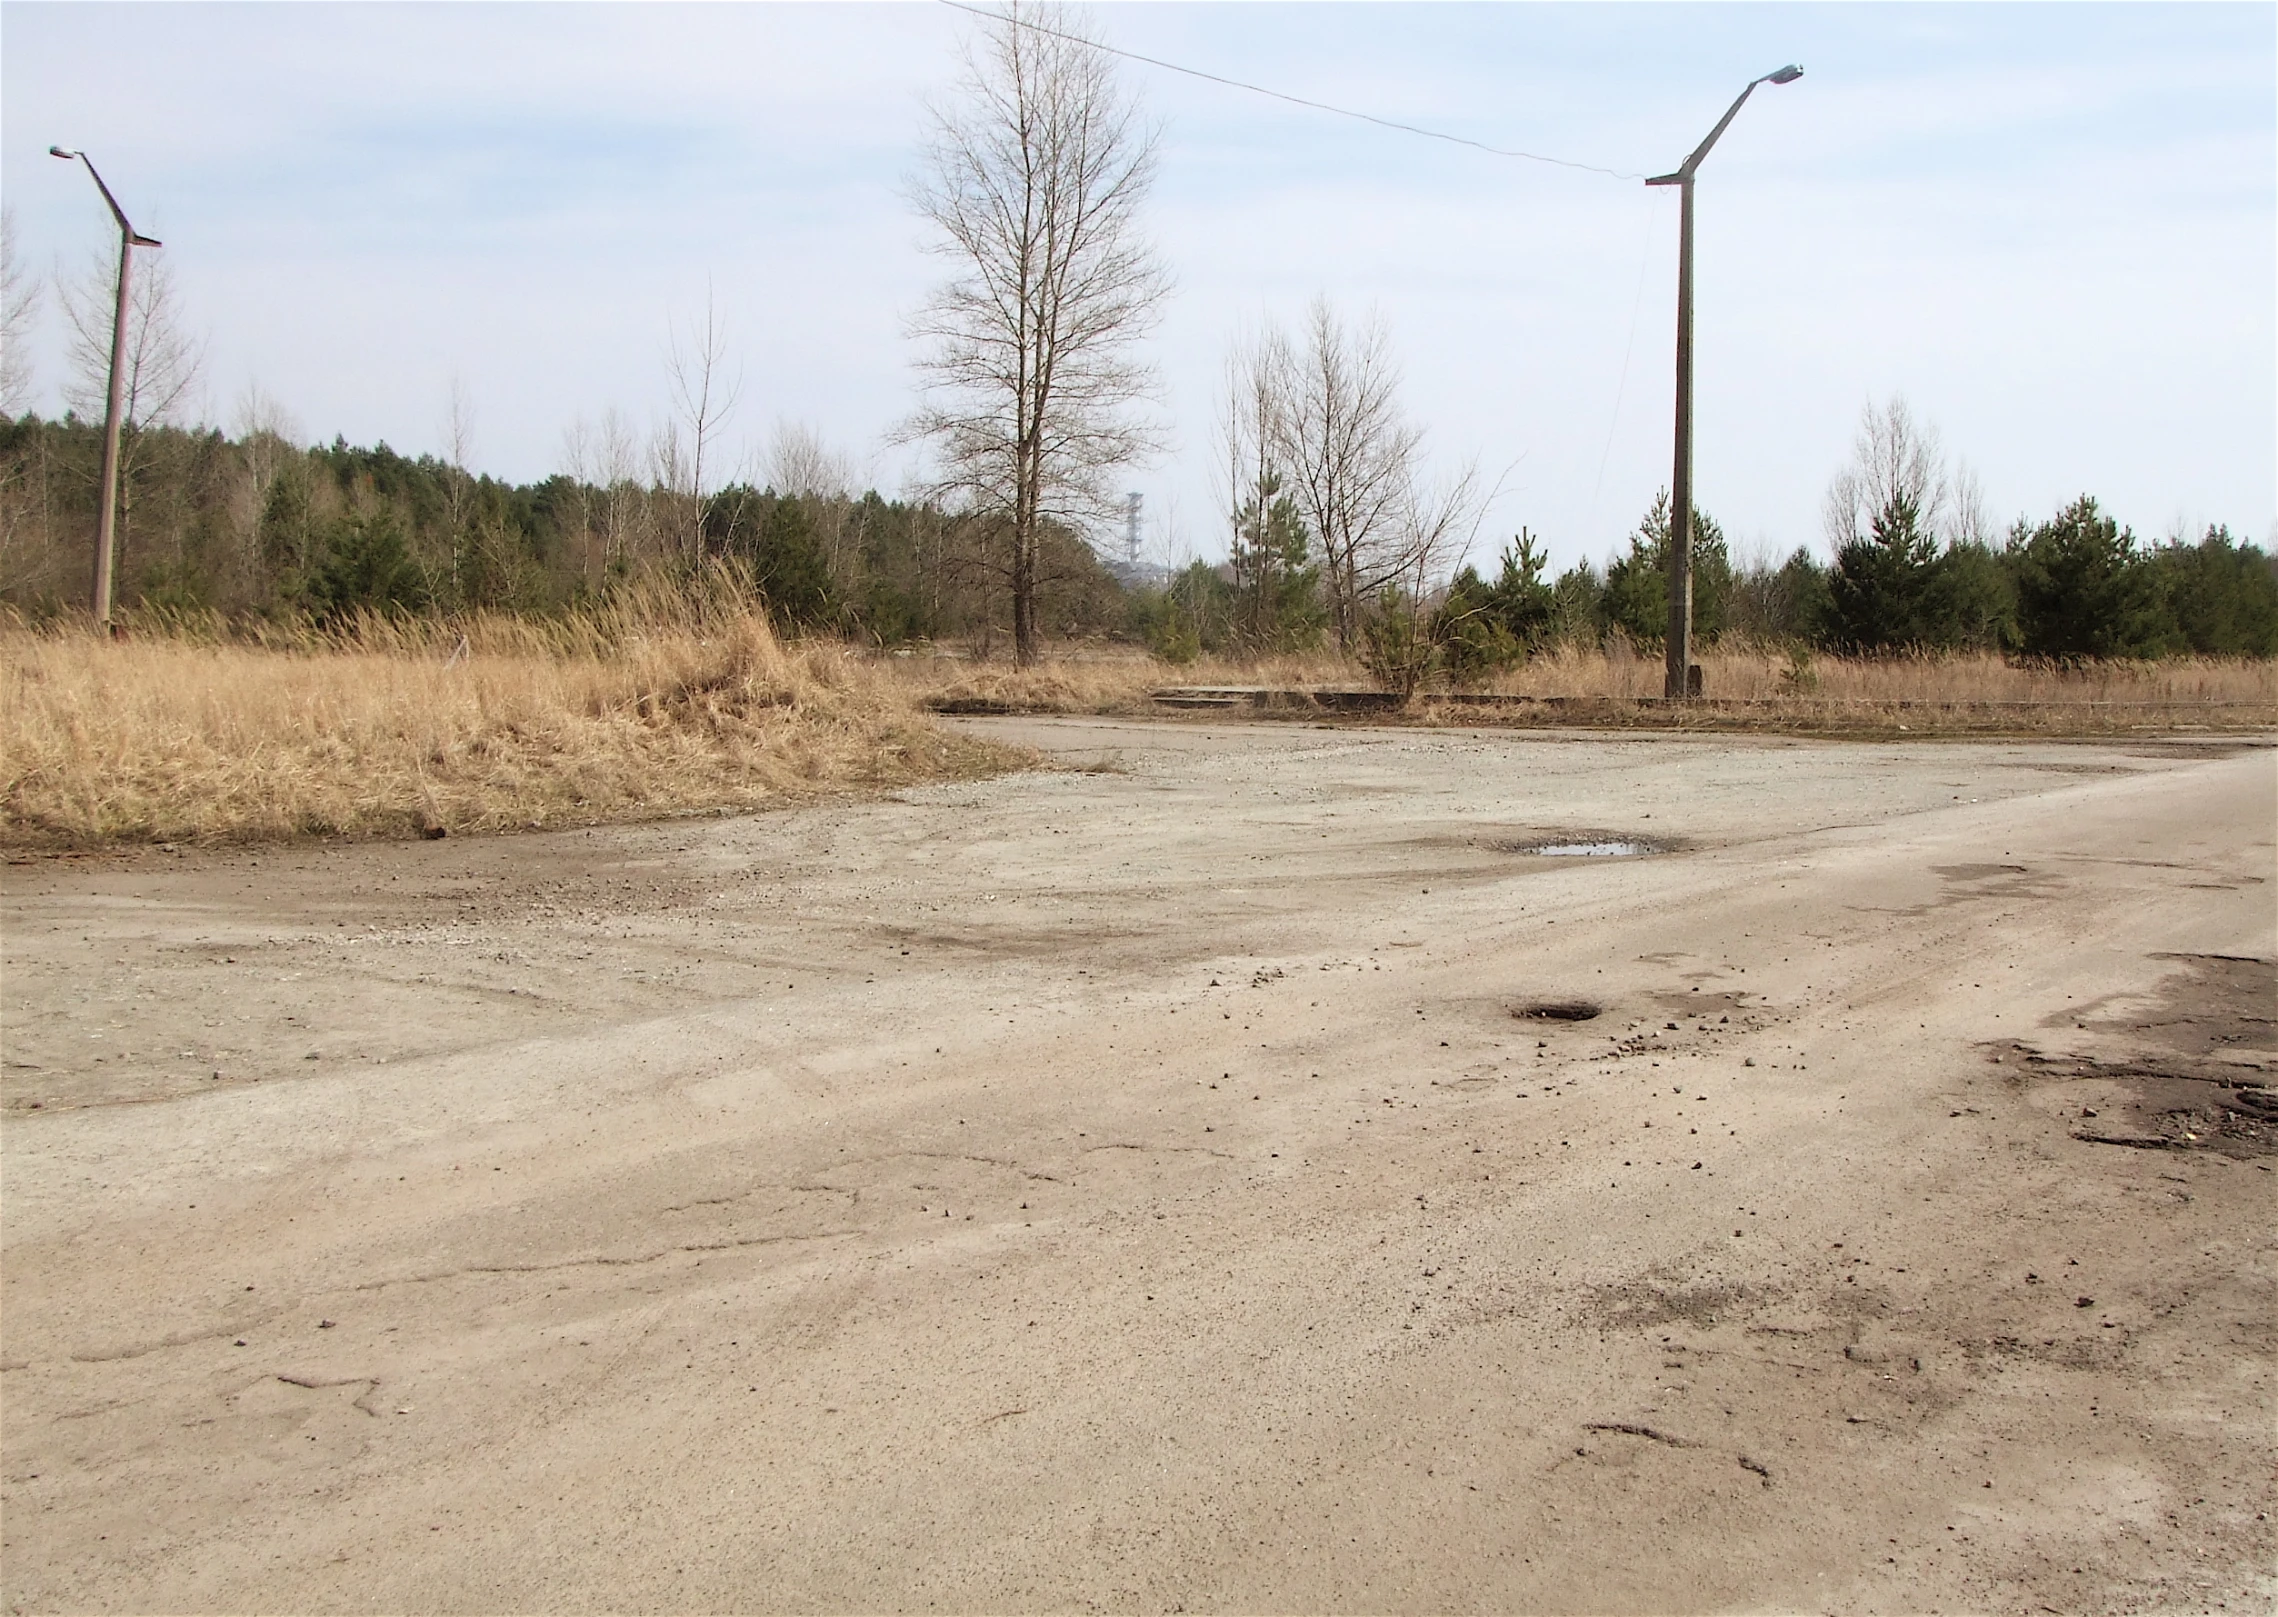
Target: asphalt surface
1226, 1170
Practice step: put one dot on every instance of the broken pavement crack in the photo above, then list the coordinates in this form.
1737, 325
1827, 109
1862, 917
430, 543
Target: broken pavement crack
1630, 1429
605, 1262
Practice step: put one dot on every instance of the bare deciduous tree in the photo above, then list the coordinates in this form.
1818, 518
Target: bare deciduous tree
270, 440
578, 459
1249, 423
1034, 178
458, 483
800, 464
159, 366
1319, 420
1438, 523
1968, 521
19, 307
616, 459
162, 360
1268, 546
1350, 459
604, 458
1895, 461
704, 395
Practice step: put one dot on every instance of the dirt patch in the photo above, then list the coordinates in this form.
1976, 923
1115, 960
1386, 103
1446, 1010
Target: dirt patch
2219, 1003
1642, 1306
1695, 1004
2145, 1106
2191, 749
2193, 1071
1966, 884
2187, 1114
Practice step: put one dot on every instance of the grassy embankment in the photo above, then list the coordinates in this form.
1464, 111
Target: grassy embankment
650, 707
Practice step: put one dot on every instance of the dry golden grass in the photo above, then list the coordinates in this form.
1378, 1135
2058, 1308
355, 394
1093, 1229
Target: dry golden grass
1747, 687
1754, 673
668, 701
654, 706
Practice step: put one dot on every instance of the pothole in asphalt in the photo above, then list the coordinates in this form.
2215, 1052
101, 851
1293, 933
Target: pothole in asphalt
1558, 1010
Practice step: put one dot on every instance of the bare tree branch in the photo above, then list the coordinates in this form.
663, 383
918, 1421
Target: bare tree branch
19, 307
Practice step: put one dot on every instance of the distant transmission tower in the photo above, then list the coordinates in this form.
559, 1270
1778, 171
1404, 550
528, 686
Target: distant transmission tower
1131, 530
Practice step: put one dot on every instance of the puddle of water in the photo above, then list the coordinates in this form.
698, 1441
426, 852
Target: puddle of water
1592, 850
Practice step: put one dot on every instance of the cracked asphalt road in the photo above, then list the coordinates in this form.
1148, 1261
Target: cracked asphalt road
1147, 1183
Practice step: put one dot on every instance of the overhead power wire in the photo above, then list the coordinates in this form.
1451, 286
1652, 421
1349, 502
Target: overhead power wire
1279, 95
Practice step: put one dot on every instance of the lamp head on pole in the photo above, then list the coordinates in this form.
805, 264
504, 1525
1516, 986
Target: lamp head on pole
1684, 174
134, 237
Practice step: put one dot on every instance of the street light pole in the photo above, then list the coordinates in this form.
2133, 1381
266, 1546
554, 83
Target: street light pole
1680, 679
107, 497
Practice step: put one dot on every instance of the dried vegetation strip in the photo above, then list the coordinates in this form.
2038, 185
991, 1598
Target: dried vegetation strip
1748, 687
389, 730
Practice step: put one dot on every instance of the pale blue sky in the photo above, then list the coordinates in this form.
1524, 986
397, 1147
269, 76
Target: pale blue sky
2053, 228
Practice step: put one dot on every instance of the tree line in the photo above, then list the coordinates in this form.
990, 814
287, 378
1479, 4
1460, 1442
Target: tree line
1914, 567
1340, 531
250, 526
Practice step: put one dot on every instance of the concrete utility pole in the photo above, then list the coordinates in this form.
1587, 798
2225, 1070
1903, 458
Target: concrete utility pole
107, 498
1682, 678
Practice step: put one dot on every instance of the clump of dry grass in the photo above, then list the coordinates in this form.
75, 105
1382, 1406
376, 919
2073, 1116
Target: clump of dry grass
655, 704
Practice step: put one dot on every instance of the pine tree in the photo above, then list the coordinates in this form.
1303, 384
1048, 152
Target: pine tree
1880, 591
1276, 587
1636, 599
2221, 597
2083, 591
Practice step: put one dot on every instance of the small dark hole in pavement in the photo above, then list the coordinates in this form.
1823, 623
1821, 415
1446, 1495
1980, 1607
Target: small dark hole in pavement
1559, 1010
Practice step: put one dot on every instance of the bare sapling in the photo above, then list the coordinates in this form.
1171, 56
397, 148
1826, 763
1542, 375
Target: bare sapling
705, 393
